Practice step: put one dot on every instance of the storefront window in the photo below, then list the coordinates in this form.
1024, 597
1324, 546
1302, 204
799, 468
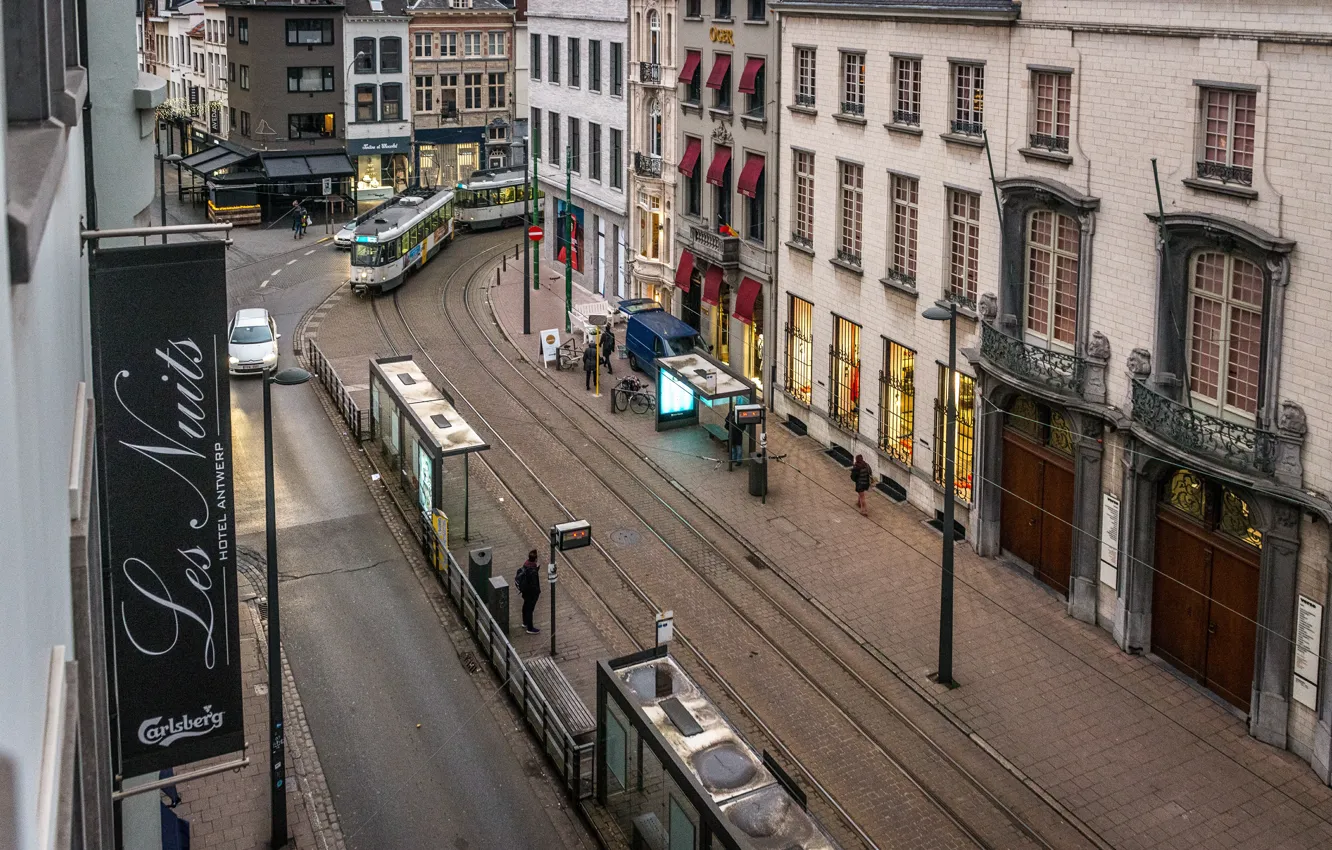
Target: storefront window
800, 349
1214, 506
844, 374
964, 440
754, 344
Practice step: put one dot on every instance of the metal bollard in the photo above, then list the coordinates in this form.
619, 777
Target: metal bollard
478, 570
497, 278
504, 261
499, 602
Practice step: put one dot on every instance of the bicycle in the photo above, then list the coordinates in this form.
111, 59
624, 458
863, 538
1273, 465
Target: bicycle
568, 355
632, 394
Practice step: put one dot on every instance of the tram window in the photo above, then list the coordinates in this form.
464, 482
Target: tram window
364, 254
508, 194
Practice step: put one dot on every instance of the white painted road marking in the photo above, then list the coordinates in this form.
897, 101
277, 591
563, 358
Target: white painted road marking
307, 253
262, 285
289, 262
277, 271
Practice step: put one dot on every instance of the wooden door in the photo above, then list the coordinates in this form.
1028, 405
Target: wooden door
1231, 624
1179, 595
1020, 517
1055, 567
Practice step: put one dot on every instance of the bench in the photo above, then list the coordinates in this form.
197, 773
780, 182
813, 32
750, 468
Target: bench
562, 699
718, 432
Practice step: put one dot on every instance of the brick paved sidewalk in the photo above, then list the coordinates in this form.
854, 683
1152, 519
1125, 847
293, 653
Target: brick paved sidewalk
1141, 756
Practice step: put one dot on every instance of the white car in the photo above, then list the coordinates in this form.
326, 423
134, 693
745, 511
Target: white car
345, 236
252, 342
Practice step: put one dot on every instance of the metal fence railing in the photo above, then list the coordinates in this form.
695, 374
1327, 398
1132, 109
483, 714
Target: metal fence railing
357, 420
573, 761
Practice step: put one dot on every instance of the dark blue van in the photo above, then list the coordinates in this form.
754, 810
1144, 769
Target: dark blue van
656, 333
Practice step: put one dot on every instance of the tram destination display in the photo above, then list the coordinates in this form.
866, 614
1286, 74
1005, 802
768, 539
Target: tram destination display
159, 320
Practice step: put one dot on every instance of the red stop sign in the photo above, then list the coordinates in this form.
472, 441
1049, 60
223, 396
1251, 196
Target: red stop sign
535, 233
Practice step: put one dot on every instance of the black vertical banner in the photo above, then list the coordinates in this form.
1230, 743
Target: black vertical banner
159, 320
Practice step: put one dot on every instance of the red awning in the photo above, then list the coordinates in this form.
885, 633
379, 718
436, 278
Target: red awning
712, 282
752, 67
745, 299
750, 174
690, 68
719, 69
689, 161
685, 270
721, 157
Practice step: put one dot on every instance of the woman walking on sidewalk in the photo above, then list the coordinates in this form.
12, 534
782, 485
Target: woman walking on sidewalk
528, 580
861, 475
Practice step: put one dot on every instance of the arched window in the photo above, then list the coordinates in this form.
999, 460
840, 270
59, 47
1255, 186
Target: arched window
1225, 332
654, 128
1053, 243
654, 38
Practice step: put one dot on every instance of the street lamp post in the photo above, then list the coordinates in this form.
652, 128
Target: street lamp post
277, 739
527, 266
569, 244
947, 313
161, 183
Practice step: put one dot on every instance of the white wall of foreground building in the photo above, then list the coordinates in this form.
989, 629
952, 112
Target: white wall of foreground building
1134, 90
652, 188
604, 246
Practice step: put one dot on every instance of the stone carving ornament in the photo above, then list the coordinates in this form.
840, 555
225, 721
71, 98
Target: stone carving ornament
1292, 420
988, 307
1098, 347
721, 135
1140, 362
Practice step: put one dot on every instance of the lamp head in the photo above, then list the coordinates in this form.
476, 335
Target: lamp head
289, 377
938, 314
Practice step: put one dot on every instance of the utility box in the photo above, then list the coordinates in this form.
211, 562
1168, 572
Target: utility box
478, 571
498, 603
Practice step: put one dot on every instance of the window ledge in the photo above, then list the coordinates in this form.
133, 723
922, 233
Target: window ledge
1057, 157
751, 22
802, 110
36, 152
901, 286
752, 122
696, 108
1234, 191
723, 20
965, 141
695, 18
795, 399
721, 112
149, 92
904, 129
796, 246
851, 267
849, 119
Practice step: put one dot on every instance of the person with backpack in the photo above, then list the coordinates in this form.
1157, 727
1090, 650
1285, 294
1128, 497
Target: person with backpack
528, 581
297, 220
861, 475
589, 364
607, 347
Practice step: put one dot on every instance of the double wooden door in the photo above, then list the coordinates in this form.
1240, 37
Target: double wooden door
1036, 523
1205, 605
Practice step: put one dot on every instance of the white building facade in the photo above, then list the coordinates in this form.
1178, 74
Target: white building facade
377, 74
579, 114
652, 72
1141, 409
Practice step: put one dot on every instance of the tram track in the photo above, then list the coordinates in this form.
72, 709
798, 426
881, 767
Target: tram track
818, 669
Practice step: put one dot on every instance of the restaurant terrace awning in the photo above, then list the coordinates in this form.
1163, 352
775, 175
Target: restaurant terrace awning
208, 162
298, 166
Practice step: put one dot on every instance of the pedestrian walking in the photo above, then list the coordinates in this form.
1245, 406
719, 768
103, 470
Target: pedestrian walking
297, 219
528, 580
736, 434
861, 475
607, 348
589, 364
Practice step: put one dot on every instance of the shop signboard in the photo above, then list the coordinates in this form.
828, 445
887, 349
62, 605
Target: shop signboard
385, 145
159, 331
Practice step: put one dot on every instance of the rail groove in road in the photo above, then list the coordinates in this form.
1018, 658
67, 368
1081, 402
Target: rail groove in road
860, 721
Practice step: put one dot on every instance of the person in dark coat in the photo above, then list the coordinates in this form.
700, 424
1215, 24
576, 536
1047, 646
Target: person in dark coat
607, 348
736, 437
589, 364
528, 580
860, 473
297, 220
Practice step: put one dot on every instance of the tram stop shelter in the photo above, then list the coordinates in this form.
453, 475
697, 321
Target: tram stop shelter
698, 389
418, 435
674, 772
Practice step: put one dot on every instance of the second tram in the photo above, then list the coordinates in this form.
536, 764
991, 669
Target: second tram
494, 197
401, 236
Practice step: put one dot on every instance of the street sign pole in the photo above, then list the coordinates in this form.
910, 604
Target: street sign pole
527, 269
569, 247
536, 211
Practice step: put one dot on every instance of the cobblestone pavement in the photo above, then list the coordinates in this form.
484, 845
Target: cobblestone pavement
1141, 757
229, 810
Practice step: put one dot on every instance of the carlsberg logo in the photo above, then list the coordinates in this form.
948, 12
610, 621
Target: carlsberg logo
155, 730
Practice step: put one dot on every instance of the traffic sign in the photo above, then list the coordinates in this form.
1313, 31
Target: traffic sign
535, 233
328, 185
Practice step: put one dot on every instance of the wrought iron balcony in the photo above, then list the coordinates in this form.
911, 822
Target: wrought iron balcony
902, 116
806, 100
649, 72
715, 248
1238, 446
1225, 173
851, 258
961, 299
1048, 142
855, 108
802, 240
1065, 373
647, 166
968, 128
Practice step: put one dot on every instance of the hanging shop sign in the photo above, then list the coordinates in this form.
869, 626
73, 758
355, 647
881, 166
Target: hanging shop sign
159, 321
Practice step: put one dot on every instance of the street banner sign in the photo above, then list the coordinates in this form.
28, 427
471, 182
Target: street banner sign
535, 233
159, 320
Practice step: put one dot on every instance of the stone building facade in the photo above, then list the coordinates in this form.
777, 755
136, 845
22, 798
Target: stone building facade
378, 110
1140, 289
651, 69
576, 51
462, 81
726, 196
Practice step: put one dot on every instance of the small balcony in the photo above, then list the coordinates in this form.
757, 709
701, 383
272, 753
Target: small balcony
1045, 141
804, 100
649, 73
716, 248
1225, 173
853, 108
968, 128
1232, 444
906, 118
647, 166
1058, 371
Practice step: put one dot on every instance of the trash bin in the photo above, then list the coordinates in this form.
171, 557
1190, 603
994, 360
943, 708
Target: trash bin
758, 475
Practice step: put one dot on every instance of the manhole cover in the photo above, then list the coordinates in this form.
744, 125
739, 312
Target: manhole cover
624, 537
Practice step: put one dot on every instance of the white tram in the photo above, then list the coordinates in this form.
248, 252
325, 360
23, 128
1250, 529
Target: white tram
400, 236
494, 197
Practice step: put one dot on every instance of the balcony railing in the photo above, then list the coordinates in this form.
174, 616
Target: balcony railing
804, 100
1056, 370
968, 128
647, 166
853, 107
902, 116
1238, 446
1225, 173
851, 258
802, 240
716, 248
649, 72
961, 299
1048, 142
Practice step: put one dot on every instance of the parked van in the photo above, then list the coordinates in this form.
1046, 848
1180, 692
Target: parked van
656, 333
